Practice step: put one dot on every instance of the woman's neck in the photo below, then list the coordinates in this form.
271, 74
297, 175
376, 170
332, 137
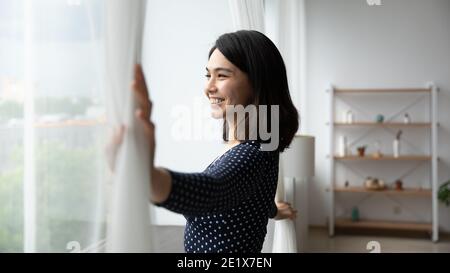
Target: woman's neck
232, 136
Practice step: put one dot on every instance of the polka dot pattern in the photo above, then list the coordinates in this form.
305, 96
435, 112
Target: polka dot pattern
228, 205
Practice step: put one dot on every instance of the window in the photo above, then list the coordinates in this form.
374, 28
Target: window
52, 124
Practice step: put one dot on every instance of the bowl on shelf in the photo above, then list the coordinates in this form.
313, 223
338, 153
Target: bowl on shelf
374, 184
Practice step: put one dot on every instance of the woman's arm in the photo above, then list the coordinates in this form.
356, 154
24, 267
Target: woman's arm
161, 185
239, 175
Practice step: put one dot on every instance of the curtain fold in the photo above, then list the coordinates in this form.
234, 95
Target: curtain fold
247, 14
285, 26
52, 124
284, 238
128, 227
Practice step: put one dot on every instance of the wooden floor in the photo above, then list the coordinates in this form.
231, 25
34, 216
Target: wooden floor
170, 239
319, 241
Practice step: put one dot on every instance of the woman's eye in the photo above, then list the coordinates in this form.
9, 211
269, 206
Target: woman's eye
208, 76
222, 76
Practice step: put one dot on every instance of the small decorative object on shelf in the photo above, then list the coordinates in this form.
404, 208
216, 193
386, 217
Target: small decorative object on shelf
343, 150
379, 118
373, 183
346, 184
349, 118
398, 185
377, 153
396, 144
361, 150
406, 119
355, 214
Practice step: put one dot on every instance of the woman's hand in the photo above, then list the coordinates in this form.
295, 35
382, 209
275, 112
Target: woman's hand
161, 181
285, 211
143, 113
144, 110
112, 148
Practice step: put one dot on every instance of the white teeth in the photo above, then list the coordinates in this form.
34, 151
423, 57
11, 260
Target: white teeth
216, 101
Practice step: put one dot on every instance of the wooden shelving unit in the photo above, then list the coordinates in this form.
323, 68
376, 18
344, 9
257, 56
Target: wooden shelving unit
385, 124
409, 192
384, 158
383, 225
405, 191
382, 90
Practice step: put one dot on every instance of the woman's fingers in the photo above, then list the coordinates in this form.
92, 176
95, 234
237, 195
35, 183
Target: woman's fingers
139, 83
139, 87
139, 74
282, 205
148, 125
294, 214
113, 146
118, 135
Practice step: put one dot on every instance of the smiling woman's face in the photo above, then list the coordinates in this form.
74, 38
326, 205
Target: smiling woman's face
226, 84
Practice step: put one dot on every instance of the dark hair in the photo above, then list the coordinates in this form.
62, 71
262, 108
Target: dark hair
257, 56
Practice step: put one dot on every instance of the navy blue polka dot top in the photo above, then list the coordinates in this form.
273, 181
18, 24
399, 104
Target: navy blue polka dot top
228, 205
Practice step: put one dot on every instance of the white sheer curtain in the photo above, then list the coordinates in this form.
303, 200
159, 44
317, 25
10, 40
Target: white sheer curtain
54, 91
247, 14
51, 126
284, 239
285, 26
129, 224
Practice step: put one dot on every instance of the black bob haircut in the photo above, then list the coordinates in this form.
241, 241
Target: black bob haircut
257, 56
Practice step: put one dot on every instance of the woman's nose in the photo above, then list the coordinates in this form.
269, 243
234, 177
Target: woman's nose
211, 86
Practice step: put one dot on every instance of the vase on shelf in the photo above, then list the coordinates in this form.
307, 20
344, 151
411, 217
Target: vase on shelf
349, 118
396, 144
355, 214
396, 148
343, 150
379, 118
407, 119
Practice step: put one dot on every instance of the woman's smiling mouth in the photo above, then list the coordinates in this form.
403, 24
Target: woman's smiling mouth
216, 100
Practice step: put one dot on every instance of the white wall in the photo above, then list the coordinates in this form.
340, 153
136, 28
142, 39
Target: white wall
402, 43
179, 35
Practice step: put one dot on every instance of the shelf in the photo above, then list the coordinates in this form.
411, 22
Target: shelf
405, 191
383, 225
384, 158
426, 128
369, 91
386, 124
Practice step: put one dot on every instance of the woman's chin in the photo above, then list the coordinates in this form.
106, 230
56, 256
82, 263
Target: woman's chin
216, 111
217, 114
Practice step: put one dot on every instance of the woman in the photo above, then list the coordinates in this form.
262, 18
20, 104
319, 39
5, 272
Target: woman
228, 205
